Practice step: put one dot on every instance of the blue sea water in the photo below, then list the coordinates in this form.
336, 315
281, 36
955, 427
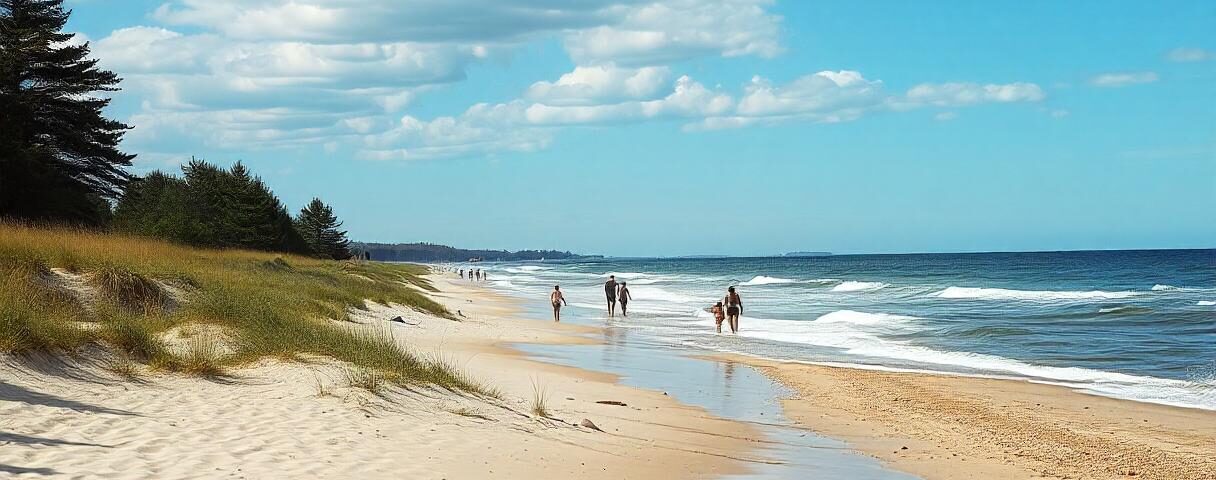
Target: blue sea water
1139, 325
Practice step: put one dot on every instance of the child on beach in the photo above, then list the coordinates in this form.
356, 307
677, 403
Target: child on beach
719, 315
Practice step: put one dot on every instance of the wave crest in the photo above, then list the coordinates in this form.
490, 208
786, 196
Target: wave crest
852, 286
763, 280
862, 318
1031, 295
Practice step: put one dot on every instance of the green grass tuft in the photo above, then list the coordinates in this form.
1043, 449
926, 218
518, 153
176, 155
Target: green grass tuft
365, 378
203, 358
540, 399
128, 289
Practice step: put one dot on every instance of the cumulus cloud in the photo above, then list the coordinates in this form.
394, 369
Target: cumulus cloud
961, 94
1187, 54
621, 31
217, 63
599, 96
523, 125
333, 74
595, 84
483, 129
677, 29
1115, 80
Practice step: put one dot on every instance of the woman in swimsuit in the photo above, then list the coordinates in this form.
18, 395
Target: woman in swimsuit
734, 308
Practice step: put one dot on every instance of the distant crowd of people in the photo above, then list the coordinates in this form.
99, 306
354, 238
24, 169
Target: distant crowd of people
728, 310
474, 275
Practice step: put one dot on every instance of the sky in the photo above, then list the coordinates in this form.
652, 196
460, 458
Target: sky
680, 127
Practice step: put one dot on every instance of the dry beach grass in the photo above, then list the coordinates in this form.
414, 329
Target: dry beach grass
65, 290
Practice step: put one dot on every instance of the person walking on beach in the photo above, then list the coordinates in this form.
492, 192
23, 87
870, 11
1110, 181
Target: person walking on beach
734, 308
462, 274
610, 292
623, 296
557, 299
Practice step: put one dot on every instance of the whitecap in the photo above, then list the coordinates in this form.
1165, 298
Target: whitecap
1160, 288
763, 280
1205, 303
862, 318
852, 286
1032, 295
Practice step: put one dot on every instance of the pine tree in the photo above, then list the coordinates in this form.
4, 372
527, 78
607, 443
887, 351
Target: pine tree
210, 207
59, 156
319, 227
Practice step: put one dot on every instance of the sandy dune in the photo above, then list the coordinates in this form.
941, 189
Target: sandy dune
294, 420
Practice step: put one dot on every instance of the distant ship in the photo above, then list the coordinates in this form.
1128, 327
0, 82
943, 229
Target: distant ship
808, 254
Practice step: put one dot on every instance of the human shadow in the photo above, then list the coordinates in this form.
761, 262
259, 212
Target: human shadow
15, 470
15, 393
17, 438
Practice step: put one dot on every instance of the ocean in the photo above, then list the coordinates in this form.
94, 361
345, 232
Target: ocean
1138, 325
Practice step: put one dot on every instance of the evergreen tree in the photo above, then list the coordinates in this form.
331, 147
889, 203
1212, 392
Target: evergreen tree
319, 227
59, 157
209, 207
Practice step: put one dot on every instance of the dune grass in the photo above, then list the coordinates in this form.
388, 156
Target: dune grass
268, 305
540, 399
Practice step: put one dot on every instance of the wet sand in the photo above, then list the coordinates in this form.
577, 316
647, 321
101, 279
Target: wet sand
951, 427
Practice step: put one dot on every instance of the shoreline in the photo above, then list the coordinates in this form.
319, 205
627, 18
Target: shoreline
948, 427
960, 426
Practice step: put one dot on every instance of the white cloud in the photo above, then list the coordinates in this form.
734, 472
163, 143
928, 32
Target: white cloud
216, 64
961, 94
594, 98
154, 50
945, 116
622, 31
1187, 54
341, 75
1123, 79
595, 84
821, 92
688, 99
483, 129
671, 30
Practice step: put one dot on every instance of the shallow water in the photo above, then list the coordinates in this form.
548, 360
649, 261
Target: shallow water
728, 390
1139, 325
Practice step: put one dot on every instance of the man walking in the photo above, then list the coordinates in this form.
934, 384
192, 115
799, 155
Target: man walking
610, 293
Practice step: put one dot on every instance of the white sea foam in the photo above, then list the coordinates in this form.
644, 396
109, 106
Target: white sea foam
856, 334
652, 293
852, 286
625, 274
1205, 303
525, 269
763, 280
862, 318
1161, 288
1031, 295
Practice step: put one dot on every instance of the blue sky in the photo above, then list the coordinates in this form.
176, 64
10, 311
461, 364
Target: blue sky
671, 127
